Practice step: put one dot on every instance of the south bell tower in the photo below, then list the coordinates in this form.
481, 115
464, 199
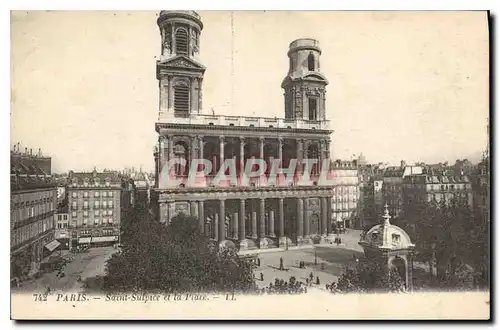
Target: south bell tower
178, 71
304, 85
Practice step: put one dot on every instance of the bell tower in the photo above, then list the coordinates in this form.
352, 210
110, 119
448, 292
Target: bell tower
178, 71
305, 85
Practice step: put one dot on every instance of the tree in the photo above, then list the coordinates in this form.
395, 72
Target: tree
451, 236
369, 276
173, 258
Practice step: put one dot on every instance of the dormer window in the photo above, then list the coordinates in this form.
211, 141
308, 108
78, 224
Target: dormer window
310, 62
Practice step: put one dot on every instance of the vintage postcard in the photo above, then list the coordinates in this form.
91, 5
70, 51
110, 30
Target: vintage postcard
250, 165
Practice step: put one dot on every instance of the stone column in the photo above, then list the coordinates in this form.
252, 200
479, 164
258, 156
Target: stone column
281, 218
221, 157
242, 227
306, 218
170, 147
300, 156
201, 216
327, 149
170, 93
242, 155
192, 209
222, 220
201, 144
254, 224
200, 94
271, 224
261, 145
329, 216
262, 216
235, 220
300, 218
324, 215
321, 154
171, 210
194, 97
280, 152
216, 227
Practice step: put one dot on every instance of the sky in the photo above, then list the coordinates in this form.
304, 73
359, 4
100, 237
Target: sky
403, 85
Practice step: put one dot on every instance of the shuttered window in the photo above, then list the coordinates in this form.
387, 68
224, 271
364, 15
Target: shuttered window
181, 98
181, 42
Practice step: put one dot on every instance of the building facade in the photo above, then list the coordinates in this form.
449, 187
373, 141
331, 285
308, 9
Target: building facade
94, 208
62, 229
262, 213
33, 202
426, 188
346, 193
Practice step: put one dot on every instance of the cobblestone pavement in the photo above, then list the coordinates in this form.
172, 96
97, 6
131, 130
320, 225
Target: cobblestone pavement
87, 264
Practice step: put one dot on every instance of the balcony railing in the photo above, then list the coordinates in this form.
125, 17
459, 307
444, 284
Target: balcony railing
33, 219
259, 122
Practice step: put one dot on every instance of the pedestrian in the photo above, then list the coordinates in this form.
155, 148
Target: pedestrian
317, 280
311, 276
261, 277
281, 263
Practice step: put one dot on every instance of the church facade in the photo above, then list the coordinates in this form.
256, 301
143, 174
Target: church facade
263, 213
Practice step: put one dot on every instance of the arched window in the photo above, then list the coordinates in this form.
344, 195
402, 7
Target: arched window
310, 62
313, 109
181, 98
181, 42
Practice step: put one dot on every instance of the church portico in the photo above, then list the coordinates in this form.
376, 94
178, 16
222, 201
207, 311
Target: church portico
249, 220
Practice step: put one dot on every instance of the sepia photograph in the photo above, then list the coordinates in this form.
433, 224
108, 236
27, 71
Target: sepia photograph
180, 164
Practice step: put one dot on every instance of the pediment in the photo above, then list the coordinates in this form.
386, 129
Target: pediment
182, 62
315, 77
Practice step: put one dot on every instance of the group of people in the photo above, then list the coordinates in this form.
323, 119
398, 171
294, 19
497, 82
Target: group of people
332, 288
280, 286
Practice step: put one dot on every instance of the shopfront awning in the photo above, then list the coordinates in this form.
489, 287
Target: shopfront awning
84, 240
104, 239
52, 245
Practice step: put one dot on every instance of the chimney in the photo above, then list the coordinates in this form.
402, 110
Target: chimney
39, 152
25, 151
31, 152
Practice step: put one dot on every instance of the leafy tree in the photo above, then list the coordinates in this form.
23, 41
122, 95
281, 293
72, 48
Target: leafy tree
368, 276
173, 258
452, 236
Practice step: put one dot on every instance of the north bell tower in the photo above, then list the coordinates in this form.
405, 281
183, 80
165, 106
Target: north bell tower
178, 71
304, 85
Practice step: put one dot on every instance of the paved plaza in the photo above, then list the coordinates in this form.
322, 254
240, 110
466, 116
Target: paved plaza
328, 261
87, 264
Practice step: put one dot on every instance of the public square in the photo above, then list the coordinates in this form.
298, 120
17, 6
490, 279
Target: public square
326, 261
84, 265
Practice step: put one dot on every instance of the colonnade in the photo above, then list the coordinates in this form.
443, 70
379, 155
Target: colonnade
261, 221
